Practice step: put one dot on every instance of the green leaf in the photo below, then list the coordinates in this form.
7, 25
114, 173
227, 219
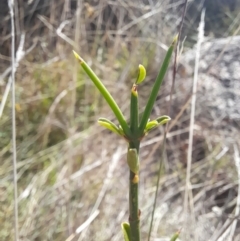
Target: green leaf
175, 236
156, 87
110, 126
141, 74
126, 231
132, 160
105, 93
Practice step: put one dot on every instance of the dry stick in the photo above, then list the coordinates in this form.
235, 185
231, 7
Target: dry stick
98, 27
232, 25
237, 211
188, 189
223, 232
82, 229
72, 107
208, 71
77, 47
14, 149
146, 16
66, 10
157, 187
190, 97
58, 30
19, 55
175, 58
110, 174
84, 225
167, 127
223, 50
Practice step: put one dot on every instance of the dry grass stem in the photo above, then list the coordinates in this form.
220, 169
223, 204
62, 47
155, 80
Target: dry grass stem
237, 210
106, 183
14, 144
188, 192
63, 172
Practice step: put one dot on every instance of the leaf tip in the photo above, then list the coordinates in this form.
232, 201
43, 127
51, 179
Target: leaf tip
77, 56
175, 39
163, 119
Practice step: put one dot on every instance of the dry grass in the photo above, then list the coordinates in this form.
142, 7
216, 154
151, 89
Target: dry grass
68, 168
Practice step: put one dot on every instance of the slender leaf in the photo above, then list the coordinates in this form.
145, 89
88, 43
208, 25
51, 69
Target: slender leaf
156, 87
105, 93
175, 236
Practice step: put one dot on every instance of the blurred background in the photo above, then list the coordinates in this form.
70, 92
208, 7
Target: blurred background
72, 174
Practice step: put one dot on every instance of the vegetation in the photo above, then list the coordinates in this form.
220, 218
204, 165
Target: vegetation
72, 176
133, 133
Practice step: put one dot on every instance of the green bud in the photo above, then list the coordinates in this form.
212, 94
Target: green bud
110, 126
132, 160
155, 123
141, 74
150, 125
126, 231
163, 119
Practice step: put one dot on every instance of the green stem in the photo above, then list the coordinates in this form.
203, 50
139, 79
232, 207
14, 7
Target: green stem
134, 217
134, 111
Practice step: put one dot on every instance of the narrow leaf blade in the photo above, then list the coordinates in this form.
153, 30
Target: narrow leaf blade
105, 93
156, 87
175, 236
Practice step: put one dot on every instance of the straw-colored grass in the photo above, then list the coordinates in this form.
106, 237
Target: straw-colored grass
60, 149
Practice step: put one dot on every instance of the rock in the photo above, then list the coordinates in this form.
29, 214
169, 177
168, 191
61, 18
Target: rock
218, 95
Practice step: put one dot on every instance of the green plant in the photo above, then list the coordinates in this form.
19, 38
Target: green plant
132, 132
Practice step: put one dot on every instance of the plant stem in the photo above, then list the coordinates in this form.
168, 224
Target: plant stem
134, 217
134, 111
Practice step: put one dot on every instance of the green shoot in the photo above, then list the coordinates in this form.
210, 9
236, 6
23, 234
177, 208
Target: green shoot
133, 133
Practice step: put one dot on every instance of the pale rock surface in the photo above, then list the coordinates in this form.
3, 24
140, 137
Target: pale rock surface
218, 95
